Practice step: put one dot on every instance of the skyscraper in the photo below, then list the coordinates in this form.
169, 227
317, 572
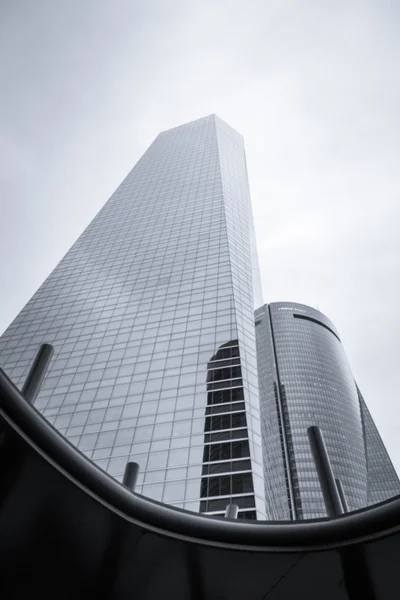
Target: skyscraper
151, 317
383, 482
305, 380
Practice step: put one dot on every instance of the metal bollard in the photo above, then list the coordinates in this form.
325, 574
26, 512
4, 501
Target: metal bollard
130, 475
342, 495
37, 372
231, 511
323, 465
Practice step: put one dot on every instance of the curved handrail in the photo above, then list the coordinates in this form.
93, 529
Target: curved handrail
366, 524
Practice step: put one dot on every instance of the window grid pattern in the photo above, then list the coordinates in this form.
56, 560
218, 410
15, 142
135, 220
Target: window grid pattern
136, 309
383, 482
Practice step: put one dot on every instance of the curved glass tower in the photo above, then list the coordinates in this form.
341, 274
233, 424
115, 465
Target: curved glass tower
305, 380
151, 314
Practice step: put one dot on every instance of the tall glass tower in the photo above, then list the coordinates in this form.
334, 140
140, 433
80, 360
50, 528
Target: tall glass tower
151, 316
383, 482
305, 380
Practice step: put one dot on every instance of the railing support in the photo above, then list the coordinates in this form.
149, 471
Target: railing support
326, 478
131, 475
231, 511
342, 495
37, 372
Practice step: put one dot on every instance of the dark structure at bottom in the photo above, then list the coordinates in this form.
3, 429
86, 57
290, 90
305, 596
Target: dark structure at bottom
68, 530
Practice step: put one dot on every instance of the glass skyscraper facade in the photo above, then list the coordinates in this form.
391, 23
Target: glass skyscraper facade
305, 380
151, 317
383, 482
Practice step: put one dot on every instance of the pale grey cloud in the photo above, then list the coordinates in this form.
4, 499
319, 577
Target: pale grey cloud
312, 86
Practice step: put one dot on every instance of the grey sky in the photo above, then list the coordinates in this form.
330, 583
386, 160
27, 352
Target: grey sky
314, 87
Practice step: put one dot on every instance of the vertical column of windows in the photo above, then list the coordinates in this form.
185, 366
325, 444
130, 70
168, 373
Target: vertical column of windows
226, 449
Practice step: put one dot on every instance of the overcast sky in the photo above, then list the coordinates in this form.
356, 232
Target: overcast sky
313, 86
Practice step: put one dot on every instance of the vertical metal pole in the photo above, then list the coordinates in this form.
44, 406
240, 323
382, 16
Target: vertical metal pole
357, 574
323, 465
119, 545
37, 372
355, 568
342, 495
231, 511
130, 475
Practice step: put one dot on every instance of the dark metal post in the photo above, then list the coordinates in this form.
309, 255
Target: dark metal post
117, 549
323, 465
130, 475
342, 495
37, 372
231, 511
355, 569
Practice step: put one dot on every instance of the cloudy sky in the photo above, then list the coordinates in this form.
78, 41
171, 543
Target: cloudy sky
313, 86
